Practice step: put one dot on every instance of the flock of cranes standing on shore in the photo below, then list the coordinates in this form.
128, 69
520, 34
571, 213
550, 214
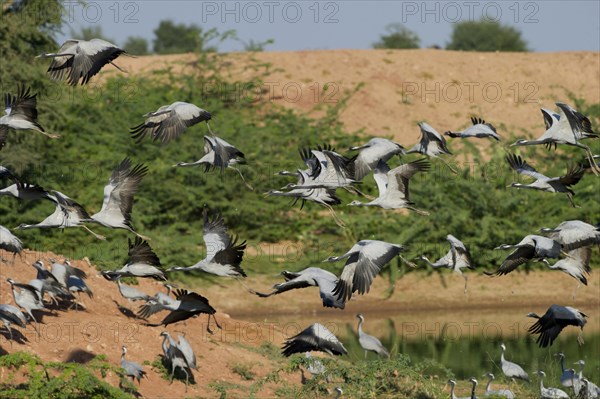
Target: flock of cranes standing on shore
326, 171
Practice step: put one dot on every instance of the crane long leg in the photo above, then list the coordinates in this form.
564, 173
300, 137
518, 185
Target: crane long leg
118, 67
98, 236
409, 263
576, 289
570, 196
242, 176
590, 156
448, 165
338, 221
51, 135
466, 279
418, 211
209, 129
355, 190
143, 237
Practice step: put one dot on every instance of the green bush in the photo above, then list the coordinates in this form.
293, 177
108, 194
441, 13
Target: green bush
486, 35
398, 37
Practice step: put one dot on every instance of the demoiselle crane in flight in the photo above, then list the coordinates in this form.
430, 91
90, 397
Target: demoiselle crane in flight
559, 184
364, 261
325, 197
553, 321
370, 154
573, 234
368, 342
393, 189
142, 262
432, 144
67, 213
170, 121
218, 153
510, 369
531, 247
158, 302
576, 264
188, 304
478, 129
223, 254
315, 337
78, 60
21, 114
309, 277
118, 197
568, 128
21, 190
457, 258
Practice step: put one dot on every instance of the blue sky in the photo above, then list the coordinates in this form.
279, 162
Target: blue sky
307, 25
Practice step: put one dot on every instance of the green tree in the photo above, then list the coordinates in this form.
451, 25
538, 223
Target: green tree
486, 35
172, 38
136, 45
398, 36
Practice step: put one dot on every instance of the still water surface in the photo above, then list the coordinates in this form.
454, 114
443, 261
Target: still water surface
465, 341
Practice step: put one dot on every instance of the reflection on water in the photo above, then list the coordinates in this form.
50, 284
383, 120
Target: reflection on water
466, 342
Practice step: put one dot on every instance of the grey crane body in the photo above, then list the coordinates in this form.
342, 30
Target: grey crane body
22, 190
27, 297
189, 304
316, 337
394, 187
170, 121
119, 197
219, 154
309, 277
223, 254
374, 151
576, 264
157, 303
369, 342
325, 197
505, 393
10, 315
20, 114
553, 321
568, 128
550, 393
457, 258
567, 376
510, 369
142, 262
79, 60
478, 129
365, 260
561, 184
531, 247
10, 243
62, 272
132, 369
130, 293
452, 388
67, 213
174, 353
574, 234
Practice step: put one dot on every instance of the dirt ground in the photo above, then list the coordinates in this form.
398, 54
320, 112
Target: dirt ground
403, 87
70, 335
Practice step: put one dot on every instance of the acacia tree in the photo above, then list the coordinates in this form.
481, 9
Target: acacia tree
486, 35
398, 37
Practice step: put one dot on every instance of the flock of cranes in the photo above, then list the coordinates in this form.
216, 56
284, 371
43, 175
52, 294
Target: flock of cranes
326, 171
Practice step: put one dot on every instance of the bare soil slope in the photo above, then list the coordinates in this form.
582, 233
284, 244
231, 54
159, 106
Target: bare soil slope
402, 87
